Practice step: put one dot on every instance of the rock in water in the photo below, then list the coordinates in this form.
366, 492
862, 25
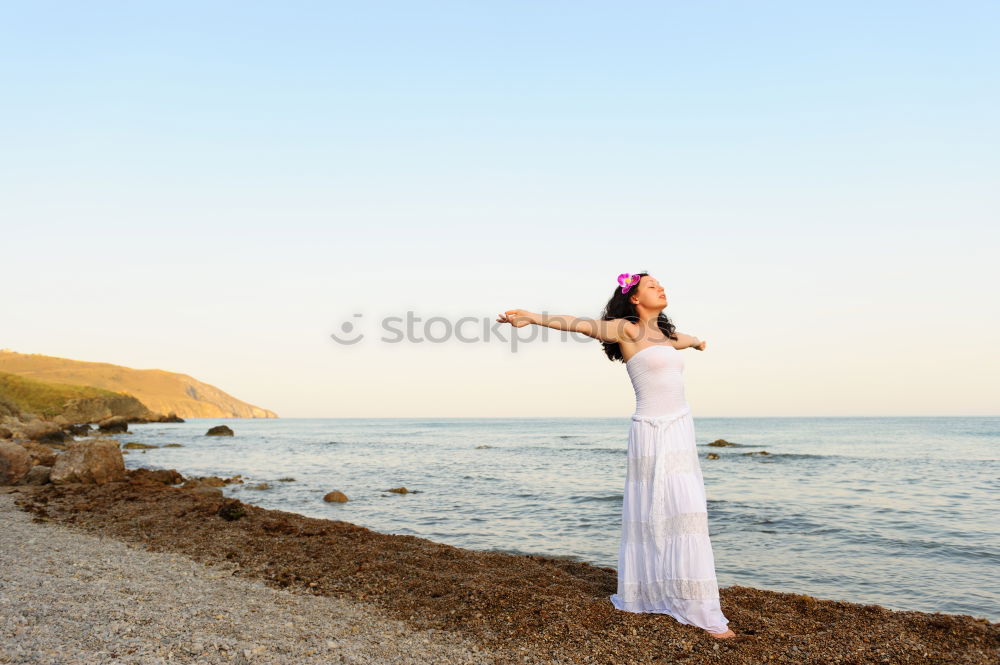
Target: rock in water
337, 496
89, 461
114, 425
164, 476
211, 481
219, 430
204, 490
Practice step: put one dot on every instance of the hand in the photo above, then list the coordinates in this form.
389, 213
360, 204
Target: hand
700, 346
515, 317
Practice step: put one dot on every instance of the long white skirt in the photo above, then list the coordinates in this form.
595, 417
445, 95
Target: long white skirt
665, 561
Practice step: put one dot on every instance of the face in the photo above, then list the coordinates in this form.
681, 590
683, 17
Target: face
649, 293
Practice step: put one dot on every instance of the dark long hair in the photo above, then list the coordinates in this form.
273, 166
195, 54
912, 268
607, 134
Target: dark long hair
620, 307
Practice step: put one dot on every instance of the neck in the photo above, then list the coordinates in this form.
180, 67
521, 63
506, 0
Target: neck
648, 319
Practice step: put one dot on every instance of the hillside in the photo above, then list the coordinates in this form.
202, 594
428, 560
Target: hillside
158, 390
75, 403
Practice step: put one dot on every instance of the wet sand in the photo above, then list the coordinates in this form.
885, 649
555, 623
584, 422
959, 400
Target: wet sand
519, 608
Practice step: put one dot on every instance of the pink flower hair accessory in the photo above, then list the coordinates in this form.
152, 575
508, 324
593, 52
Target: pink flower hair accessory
627, 281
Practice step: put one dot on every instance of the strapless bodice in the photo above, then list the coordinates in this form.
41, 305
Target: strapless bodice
657, 374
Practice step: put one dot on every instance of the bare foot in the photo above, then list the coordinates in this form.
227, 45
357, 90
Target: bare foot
722, 636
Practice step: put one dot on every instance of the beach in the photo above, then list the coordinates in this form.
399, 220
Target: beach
140, 571
73, 597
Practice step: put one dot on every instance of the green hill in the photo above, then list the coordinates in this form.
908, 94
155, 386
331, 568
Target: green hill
76, 403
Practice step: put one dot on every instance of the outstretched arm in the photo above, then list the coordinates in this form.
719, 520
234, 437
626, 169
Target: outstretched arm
691, 341
613, 330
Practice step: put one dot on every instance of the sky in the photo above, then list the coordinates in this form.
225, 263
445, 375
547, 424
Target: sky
216, 188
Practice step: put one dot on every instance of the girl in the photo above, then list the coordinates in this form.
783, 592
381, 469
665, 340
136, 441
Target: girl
665, 560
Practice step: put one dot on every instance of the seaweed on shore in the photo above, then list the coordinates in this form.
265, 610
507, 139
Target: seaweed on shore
554, 609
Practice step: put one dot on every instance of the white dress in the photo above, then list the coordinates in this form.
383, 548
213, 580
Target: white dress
665, 561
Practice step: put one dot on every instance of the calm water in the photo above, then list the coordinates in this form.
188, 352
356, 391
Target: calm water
896, 511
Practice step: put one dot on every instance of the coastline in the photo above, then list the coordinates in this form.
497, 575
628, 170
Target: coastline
513, 608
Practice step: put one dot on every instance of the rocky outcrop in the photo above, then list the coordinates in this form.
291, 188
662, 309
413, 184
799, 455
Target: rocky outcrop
169, 418
159, 476
198, 486
94, 409
83, 429
211, 481
219, 430
38, 475
44, 431
14, 463
337, 496
42, 437
40, 453
89, 461
113, 425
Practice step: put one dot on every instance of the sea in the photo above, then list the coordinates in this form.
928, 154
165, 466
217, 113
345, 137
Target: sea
897, 511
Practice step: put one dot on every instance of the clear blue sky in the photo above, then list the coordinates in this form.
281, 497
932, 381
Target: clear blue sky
212, 188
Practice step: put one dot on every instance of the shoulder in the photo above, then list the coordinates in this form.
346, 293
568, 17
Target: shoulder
628, 332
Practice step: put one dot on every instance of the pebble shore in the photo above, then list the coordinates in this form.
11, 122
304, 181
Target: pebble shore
140, 571
74, 598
